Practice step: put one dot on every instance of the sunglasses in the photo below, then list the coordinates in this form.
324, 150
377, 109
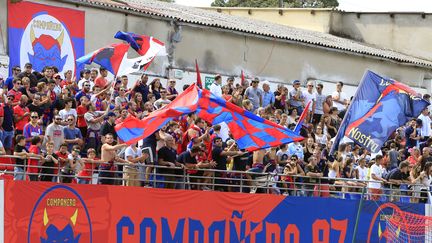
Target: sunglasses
69, 119
19, 83
87, 85
34, 117
76, 150
122, 90
10, 98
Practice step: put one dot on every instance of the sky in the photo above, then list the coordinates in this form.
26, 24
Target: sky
356, 5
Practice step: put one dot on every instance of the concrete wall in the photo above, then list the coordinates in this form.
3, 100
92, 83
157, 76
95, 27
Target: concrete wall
310, 19
228, 53
408, 33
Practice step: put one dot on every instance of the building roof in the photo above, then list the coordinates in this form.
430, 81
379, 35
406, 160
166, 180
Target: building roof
251, 26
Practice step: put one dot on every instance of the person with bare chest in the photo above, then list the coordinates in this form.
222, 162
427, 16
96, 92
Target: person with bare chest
108, 158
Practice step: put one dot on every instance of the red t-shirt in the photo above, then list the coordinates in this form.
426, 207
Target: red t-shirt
88, 169
19, 111
81, 110
16, 93
101, 82
33, 162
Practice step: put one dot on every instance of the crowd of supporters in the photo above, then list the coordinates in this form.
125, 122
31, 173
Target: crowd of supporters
66, 126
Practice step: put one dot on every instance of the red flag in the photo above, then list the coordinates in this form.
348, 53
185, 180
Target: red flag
242, 78
199, 82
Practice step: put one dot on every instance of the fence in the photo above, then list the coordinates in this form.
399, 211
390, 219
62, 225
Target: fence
211, 179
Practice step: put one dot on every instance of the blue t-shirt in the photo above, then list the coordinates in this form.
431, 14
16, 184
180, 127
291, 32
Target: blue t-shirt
71, 134
9, 83
8, 118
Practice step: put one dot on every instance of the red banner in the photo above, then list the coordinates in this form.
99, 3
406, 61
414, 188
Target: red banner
88, 213
47, 212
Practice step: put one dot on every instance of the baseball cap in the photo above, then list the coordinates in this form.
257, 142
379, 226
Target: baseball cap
296, 81
255, 80
111, 113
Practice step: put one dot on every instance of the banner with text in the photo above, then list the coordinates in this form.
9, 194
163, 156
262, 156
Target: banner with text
44, 212
44, 36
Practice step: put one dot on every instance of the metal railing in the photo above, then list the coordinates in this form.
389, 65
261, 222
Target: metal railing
212, 179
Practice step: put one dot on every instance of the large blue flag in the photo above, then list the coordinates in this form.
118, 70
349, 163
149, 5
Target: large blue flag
380, 106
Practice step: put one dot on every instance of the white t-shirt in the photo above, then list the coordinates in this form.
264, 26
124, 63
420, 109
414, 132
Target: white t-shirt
378, 171
64, 114
308, 97
362, 172
216, 89
342, 97
426, 126
56, 133
134, 154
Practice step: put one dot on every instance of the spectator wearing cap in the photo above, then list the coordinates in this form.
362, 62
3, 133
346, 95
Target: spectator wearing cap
340, 99
296, 97
28, 73
216, 86
268, 97
21, 115
16, 70
102, 81
171, 90
108, 127
85, 77
17, 83
254, 94
7, 131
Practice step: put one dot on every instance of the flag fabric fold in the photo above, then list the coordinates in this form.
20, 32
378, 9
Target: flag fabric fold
250, 131
109, 57
379, 107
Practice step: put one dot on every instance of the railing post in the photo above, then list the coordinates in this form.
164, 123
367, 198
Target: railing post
241, 181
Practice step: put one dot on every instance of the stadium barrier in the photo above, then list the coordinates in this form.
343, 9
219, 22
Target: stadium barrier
221, 180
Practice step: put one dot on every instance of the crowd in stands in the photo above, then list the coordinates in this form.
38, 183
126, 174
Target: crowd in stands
66, 125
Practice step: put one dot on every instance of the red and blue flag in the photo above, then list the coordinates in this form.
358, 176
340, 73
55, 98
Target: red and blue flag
250, 131
109, 57
302, 118
380, 106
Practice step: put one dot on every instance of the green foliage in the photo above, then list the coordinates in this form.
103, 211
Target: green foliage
275, 3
